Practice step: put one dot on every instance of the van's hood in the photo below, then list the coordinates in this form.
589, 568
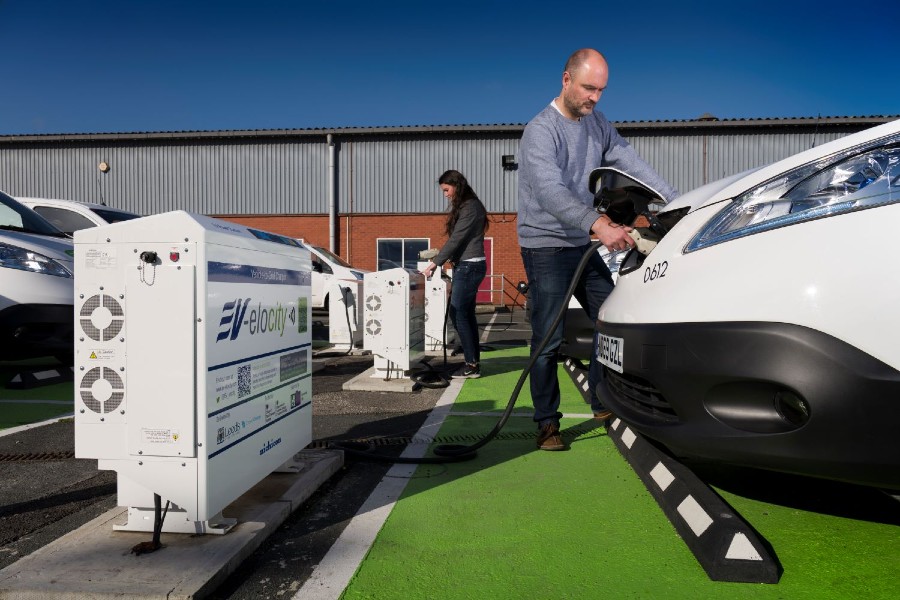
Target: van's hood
59, 249
706, 194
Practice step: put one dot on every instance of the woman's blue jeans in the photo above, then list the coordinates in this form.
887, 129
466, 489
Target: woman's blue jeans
550, 272
467, 276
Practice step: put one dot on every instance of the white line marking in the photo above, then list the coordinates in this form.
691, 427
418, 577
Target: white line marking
580, 378
615, 423
332, 575
487, 329
694, 515
23, 401
662, 476
33, 425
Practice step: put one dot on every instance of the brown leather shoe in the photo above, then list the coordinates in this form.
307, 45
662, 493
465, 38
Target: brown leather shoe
549, 438
603, 415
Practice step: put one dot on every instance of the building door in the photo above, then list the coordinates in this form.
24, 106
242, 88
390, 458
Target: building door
484, 295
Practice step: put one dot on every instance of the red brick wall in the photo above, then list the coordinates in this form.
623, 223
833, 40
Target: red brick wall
359, 246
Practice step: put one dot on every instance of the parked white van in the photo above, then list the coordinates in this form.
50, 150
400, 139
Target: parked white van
327, 268
69, 215
36, 285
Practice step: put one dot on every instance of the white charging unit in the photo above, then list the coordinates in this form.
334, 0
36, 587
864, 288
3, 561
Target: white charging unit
437, 300
394, 329
345, 314
192, 362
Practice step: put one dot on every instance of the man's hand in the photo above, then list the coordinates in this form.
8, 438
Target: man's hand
614, 237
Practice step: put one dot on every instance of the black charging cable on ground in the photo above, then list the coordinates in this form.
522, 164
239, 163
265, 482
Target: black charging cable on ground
159, 515
428, 376
456, 452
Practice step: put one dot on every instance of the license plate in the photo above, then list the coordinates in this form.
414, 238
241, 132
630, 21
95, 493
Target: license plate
610, 351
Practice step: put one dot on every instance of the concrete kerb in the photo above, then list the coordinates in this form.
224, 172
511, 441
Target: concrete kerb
94, 561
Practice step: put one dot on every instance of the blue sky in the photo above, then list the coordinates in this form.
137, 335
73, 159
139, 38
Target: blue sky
92, 66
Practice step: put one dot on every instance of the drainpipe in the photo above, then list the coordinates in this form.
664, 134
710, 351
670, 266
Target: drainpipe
332, 201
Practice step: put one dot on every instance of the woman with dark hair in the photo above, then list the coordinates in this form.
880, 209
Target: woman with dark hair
466, 224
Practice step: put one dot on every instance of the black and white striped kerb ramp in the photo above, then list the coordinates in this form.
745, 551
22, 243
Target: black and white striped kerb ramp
36, 377
726, 547
579, 376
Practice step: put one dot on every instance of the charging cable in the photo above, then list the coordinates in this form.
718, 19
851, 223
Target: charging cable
457, 452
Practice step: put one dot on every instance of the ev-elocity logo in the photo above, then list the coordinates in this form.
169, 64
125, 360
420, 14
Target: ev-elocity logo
262, 319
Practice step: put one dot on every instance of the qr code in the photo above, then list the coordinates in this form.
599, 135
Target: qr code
243, 381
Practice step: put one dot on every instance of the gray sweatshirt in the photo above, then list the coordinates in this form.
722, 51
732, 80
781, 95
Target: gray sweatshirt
556, 157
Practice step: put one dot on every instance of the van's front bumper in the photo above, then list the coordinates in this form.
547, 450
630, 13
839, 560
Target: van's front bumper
769, 395
33, 330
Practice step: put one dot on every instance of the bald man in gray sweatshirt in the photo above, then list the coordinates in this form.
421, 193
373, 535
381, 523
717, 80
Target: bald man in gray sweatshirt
556, 219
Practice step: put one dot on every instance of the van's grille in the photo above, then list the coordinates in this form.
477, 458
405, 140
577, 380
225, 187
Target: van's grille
640, 395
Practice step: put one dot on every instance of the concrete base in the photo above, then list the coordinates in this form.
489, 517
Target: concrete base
96, 562
368, 381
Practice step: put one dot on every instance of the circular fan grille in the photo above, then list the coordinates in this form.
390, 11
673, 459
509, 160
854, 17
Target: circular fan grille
101, 317
101, 390
373, 302
373, 326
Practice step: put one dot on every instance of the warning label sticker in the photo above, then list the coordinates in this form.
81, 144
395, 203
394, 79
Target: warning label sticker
159, 436
101, 354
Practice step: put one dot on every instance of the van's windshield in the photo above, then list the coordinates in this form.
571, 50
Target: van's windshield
18, 217
334, 257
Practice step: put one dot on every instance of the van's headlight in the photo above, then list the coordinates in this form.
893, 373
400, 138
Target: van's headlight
852, 180
14, 257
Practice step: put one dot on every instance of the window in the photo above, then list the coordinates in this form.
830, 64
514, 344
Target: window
400, 252
64, 219
114, 216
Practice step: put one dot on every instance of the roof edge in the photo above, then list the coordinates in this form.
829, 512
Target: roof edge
705, 122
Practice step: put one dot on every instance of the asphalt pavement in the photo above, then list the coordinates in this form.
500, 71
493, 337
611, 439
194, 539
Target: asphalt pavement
45, 492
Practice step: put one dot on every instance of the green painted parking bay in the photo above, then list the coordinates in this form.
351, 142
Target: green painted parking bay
39, 398
520, 523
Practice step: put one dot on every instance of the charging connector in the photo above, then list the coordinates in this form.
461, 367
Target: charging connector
642, 244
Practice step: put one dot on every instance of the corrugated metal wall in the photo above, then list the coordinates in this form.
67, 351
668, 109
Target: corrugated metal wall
689, 161
209, 178
400, 176
388, 173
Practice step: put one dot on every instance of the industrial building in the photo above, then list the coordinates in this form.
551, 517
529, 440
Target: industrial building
370, 194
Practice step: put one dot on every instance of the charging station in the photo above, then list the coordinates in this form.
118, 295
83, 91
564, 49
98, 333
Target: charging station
439, 331
394, 328
192, 362
345, 316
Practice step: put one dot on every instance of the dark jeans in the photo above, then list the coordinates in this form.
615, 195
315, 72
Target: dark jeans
550, 272
467, 276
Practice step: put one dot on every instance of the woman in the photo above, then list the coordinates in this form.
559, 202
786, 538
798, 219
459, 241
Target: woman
466, 224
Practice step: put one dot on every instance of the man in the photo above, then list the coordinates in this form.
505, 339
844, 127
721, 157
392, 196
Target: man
556, 219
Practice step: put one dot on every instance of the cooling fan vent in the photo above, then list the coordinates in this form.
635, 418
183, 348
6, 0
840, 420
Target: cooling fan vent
101, 390
101, 318
373, 326
373, 302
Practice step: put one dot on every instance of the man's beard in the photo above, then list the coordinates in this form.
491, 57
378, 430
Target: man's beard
582, 110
